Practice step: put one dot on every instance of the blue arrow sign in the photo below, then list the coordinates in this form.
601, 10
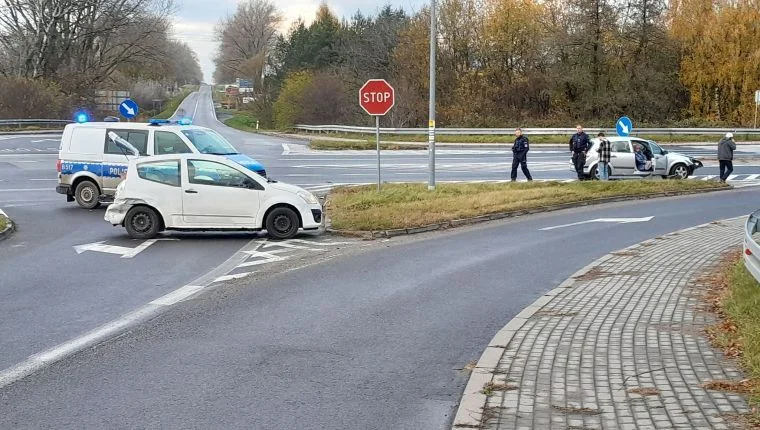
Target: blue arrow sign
624, 126
128, 109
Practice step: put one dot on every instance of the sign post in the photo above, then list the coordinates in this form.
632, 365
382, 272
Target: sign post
377, 97
757, 102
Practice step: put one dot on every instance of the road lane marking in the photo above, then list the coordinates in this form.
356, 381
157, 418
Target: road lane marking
601, 220
16, 190
45, 179
285, 149
177, 295
124, 251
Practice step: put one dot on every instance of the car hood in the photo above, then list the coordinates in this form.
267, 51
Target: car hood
286, 187
246, 161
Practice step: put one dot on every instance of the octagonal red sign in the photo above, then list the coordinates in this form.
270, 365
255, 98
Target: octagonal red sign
377, 97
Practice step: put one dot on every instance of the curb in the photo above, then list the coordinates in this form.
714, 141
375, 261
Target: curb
9, 229
470, 411
383, 234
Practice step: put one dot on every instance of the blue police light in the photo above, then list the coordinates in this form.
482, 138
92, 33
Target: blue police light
81, 117
185, 121
156, 121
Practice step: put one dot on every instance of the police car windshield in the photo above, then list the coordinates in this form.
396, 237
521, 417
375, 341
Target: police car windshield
209, 142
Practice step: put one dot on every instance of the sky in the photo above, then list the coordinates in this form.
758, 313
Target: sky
194, 20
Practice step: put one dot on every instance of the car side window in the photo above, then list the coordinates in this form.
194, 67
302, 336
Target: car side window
656, 150
138, 139
166, 142
620, 146
217, 174
163, 172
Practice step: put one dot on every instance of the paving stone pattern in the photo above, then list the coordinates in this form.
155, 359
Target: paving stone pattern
632, 322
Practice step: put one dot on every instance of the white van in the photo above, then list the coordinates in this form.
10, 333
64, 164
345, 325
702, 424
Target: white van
90, 164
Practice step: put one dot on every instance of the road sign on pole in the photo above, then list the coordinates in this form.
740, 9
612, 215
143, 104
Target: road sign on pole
757, 102
377, 97
128, 109
624, 126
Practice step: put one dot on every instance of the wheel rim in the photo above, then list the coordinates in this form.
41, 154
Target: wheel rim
282, 224
141, 222
597, 174
681, 172
86, 194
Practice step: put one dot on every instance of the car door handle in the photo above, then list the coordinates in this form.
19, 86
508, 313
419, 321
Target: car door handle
191, 191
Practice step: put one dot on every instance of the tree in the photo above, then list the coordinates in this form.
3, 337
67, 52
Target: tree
246, 40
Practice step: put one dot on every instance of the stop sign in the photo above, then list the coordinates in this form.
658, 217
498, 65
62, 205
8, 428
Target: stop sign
377, 97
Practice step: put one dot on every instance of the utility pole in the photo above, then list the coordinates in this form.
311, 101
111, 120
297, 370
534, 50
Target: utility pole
431, 117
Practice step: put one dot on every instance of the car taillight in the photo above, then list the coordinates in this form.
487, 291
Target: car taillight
58, 166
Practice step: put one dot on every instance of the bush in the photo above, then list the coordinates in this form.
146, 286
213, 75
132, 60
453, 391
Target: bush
22, 98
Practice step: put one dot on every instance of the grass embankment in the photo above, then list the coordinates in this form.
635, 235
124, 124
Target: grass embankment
509, 139
735, 296
3, 222
241, 121
340, 144
412, 205
174, 102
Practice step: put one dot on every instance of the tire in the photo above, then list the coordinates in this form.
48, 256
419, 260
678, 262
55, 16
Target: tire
679, 171
86, 194
142, 222
594, 174
282, 223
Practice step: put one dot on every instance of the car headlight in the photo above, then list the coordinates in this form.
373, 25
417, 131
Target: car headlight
308, 197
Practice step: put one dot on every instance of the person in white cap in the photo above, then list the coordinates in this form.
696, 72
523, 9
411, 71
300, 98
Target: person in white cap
726, 148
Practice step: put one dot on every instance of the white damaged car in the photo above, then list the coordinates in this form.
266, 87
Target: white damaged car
623, 162
208, 192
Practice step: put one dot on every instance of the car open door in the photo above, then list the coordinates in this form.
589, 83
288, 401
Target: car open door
622, 159
216, 195
659, 158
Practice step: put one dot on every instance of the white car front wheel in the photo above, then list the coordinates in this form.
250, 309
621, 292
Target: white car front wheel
679, 171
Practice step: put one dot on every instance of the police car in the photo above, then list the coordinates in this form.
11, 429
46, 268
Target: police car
91, 165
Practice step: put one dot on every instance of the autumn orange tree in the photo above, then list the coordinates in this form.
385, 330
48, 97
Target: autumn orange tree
720, 49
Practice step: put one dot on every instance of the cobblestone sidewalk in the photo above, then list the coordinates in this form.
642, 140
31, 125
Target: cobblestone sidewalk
619, 345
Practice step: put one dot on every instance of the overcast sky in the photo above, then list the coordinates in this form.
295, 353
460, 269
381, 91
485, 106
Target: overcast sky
195, 19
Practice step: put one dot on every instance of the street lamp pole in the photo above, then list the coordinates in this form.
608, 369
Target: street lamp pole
431, 118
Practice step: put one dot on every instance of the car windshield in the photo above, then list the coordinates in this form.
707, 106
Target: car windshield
209, 142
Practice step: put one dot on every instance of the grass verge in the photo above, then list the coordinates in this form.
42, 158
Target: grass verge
174, 102
509, 139
3, 222
735, 296
241, 121
341, 144
412, 205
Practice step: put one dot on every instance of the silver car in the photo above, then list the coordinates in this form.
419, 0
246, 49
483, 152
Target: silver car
623, 162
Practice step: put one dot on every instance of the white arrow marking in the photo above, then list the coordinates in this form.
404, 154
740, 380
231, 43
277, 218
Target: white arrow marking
623, 126
128, 109
604, 220
124, 251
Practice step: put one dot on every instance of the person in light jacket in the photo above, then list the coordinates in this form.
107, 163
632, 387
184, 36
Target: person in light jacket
726, 148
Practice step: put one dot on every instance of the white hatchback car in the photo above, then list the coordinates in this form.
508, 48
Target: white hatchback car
208, 192
623, 163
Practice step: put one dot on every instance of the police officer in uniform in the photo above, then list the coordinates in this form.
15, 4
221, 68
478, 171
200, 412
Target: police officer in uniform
579, 145
520, 155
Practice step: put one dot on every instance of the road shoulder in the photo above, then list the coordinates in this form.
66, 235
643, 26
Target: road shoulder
620, 344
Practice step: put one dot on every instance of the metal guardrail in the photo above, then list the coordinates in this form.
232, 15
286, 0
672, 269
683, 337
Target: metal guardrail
19, 123
751, 248
531, 131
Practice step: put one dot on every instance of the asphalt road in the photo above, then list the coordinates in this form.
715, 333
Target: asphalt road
370, 340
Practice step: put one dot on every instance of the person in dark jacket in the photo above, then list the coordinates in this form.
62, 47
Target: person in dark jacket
605, 155
726, 148
520, 155
579, 145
